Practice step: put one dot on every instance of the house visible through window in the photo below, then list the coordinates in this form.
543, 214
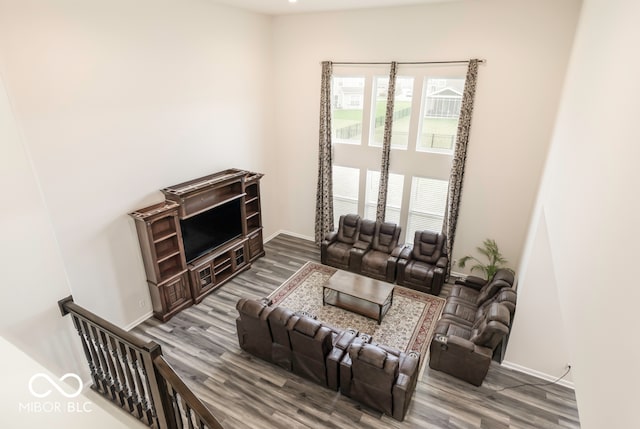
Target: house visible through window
427, 104
347, 107
442, 100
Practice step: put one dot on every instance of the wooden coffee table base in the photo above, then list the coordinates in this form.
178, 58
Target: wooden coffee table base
362, 295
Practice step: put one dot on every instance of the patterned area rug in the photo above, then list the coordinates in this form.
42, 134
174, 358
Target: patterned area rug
407, 326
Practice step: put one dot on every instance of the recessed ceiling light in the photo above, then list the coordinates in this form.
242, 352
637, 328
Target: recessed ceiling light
293, 1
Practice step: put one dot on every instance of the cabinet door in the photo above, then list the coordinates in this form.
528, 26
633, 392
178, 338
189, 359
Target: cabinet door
176, 294
256, 247
239, 257
202, 281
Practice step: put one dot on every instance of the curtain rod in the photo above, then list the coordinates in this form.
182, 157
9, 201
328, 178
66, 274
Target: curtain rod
403, 62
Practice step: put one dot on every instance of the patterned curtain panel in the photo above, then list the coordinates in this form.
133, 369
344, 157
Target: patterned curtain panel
324, 192
386, 145
459, 158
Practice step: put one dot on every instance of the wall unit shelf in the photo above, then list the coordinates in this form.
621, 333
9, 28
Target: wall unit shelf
175, 283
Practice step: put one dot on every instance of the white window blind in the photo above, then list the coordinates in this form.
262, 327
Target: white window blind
427, 205
394, 196
345, 191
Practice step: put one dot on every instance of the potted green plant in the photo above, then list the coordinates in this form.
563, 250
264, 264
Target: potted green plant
490, 251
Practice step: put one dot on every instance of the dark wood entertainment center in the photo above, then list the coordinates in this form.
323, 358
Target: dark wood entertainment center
205, 232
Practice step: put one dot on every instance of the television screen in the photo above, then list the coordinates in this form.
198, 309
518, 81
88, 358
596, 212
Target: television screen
206, 231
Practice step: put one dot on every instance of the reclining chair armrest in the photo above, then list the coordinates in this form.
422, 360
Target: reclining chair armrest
331, 236
472, 282
342, 342
324, 244
405, 384
345, 338
362, 245
409, 364
438, 280
442, 262
460, 358
405, 256
267, 301
395, 253
406, 253
345, 375
460, 343
392, 262
355, 258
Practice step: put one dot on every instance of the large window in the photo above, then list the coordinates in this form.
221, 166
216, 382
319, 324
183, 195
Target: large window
345, 191
441, 104
394, 198
347, 95
427, 102
401, 111
426, 205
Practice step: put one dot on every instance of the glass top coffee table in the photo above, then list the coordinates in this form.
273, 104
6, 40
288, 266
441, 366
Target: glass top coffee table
363, 295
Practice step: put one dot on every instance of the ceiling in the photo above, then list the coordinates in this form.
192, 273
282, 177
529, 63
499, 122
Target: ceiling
281, 7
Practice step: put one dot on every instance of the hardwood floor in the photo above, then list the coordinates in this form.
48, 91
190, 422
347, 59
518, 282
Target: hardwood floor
245, 392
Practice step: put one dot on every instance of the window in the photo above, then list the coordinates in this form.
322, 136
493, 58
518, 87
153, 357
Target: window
401, 112
347, 107
426, 205
345, 191
394, 198
427, 106
442, 100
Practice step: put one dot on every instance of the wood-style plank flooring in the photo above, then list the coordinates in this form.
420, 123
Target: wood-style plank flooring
245, 392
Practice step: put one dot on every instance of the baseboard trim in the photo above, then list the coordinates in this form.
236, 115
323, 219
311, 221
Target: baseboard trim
537, 374
458, 275
138, 321
293, 234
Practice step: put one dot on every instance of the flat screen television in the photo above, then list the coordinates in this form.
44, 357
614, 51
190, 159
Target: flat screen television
206, 231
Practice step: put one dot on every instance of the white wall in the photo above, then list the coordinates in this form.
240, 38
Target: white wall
590, 198
538, 339
33, 275
118, 99
526, 45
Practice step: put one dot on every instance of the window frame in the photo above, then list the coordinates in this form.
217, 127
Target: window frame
410, 162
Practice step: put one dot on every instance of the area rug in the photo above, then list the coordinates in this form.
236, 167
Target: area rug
407, 326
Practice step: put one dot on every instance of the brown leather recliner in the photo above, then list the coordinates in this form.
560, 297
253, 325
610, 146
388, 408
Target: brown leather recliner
281, 321
465, 351
466, 313
336, 247
317, 351
379, 377
380, 260
365, 240
254, 333
294, 342
476, 290
422, 266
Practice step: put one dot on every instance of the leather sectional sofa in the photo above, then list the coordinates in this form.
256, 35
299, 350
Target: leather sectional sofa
475, 321
373, 374
371, 248
423, 266
363, 246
